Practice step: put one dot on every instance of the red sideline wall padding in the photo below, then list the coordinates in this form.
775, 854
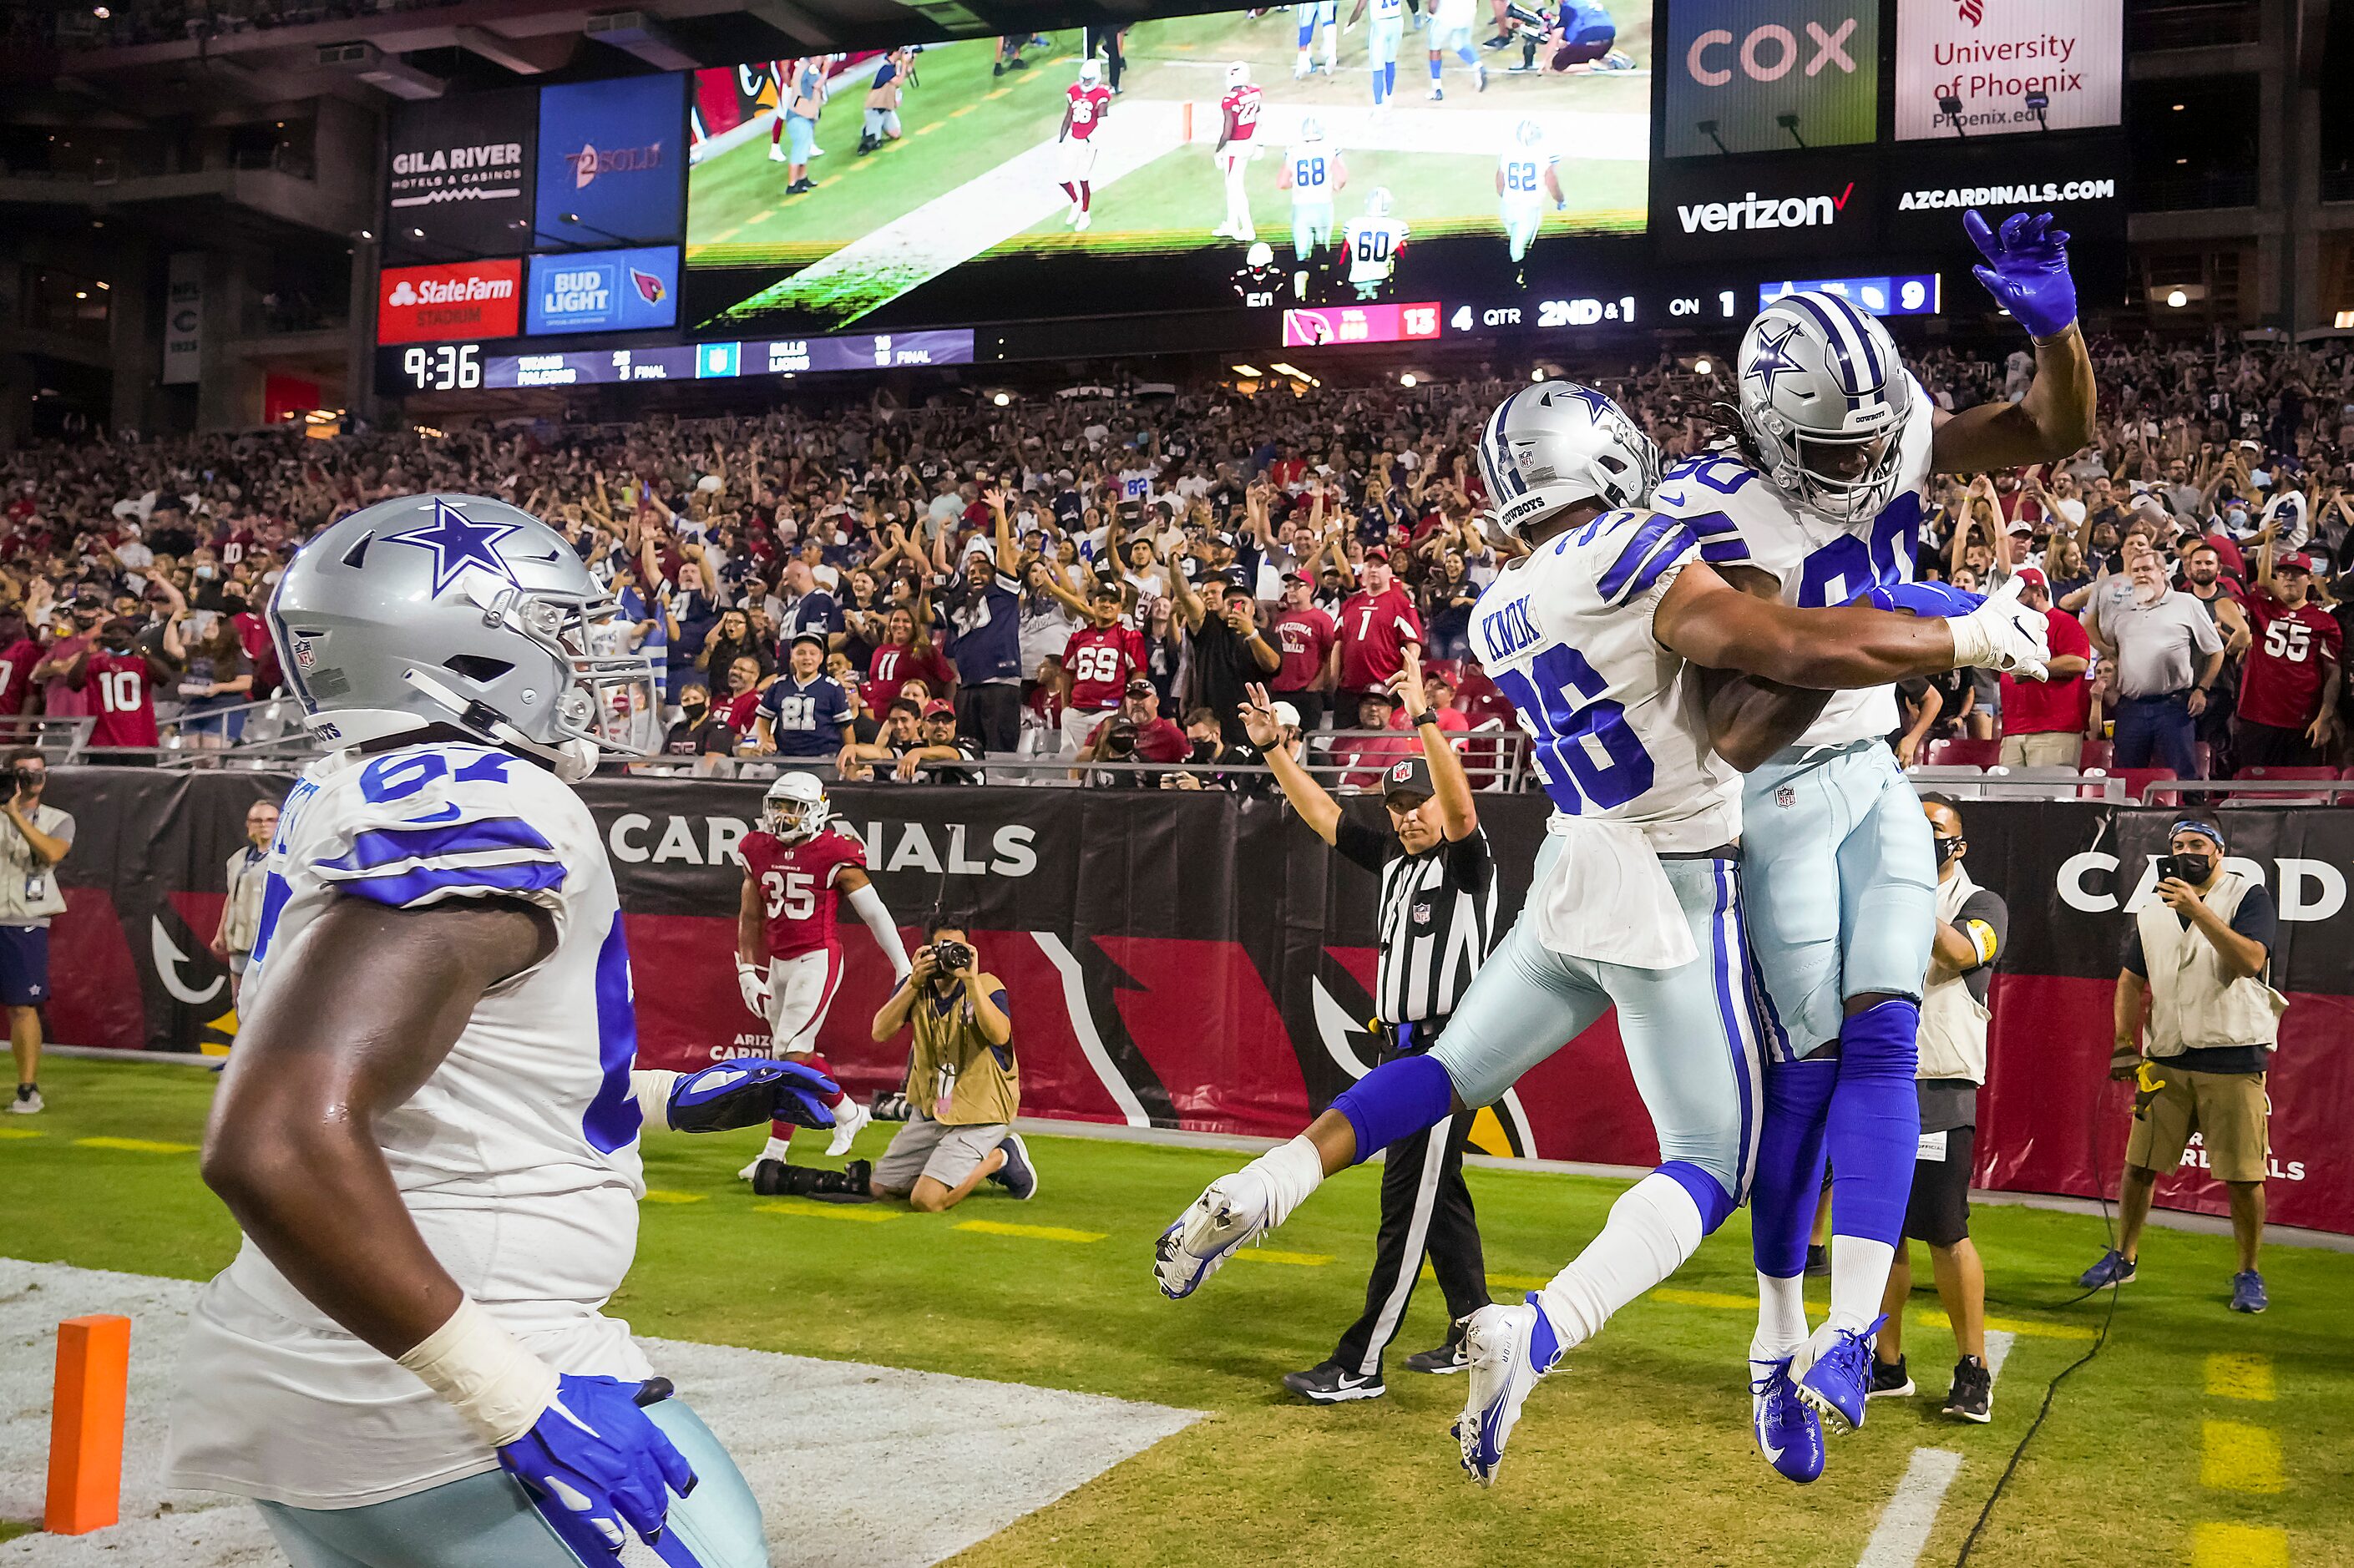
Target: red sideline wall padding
1202, 961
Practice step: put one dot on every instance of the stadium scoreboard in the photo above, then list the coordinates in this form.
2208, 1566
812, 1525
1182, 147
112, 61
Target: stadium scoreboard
1706, 157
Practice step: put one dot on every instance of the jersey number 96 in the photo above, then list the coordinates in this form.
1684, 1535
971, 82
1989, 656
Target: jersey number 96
1559, 695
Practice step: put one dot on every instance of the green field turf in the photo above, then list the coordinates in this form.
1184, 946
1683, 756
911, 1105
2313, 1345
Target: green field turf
959, 123
1636, 1453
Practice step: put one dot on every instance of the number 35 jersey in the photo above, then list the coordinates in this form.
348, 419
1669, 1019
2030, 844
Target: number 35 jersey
517, 1157
1615, 722
1816, 561
796, 887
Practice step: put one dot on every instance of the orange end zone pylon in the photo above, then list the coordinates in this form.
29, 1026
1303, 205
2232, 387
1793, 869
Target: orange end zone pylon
86, 1425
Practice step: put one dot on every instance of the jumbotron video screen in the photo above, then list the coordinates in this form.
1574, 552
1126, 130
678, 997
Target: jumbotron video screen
1311, 154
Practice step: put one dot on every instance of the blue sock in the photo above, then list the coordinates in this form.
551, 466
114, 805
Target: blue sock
1434, 68
1395, 1100
1380, 91
1790, 1180
1873, 1128
1307, 33
1389, 77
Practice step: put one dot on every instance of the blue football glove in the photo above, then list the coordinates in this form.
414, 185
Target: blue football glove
748, 1091
2026, 269
594, 1463
1928, 600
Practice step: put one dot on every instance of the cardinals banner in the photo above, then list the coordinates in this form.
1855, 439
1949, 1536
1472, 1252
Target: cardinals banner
1199, 960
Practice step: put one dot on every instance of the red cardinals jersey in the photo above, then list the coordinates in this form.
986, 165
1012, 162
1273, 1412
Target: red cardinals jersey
1087, 106
120, 699
1374, 631
16, 673
2293, 650
1241, 107
797, 887
1100, 661
1302, 638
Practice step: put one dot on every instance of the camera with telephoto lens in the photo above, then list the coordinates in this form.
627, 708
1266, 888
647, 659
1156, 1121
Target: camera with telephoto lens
25, 780
950, 957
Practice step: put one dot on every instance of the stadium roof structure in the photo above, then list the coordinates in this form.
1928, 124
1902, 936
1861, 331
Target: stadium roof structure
135, 61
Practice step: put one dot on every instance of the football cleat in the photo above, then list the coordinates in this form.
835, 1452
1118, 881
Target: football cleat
1840, 1382
1085, 223
849, 1117
1230, 1211
1786, 1431
1509, 1349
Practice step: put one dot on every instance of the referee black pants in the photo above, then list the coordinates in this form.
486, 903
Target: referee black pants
1425, 1210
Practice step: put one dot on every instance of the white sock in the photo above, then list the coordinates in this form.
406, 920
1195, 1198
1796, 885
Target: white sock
778, 1148
1291, 1172
1781, 1318
1652, 1228
1859, 1280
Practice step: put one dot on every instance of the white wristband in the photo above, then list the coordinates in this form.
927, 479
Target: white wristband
1973, 644
497, 1385
650, 1088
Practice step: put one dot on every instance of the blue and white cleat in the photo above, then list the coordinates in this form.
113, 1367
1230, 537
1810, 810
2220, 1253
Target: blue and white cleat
1789, 1434
1230, 1211
1840, 1382
1509, 1348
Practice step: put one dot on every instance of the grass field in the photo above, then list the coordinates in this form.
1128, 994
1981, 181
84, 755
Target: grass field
974, 175
1636, 1453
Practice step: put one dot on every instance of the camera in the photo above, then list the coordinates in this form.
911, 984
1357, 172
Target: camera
951, 957
24, 780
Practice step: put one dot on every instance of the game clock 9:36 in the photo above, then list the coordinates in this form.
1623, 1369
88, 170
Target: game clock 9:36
447, 367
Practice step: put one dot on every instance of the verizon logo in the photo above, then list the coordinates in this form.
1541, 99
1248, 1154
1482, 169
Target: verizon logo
1754, 211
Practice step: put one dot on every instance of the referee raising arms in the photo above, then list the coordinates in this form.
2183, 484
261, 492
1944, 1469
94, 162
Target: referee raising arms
1438, 921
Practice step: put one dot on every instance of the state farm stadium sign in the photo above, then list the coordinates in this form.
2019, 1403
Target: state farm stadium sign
461, 300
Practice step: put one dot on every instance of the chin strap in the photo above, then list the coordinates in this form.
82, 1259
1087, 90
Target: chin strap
567, 760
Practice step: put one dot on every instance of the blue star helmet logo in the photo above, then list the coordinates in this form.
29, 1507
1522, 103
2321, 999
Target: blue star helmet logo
458, 542
1773, 356
1596, 404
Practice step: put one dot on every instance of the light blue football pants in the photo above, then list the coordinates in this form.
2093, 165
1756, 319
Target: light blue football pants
1840, 881
1691, 1035
488, 1520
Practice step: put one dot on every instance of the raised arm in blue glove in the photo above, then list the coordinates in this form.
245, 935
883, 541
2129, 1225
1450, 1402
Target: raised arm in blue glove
2026, 269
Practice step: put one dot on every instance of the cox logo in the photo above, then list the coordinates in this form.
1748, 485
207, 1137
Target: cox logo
1768, 53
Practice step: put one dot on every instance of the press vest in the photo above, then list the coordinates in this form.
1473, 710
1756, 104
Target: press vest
1953, 1039
954, 1077
2191, 1004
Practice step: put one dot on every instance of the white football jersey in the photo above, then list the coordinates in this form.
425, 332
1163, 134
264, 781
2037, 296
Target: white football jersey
1616, 720
518, 1156
1817, 562
1373, 245
1313, 171
1523, 170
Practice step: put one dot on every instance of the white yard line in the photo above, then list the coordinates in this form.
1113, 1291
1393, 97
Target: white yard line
1904, 1529
1999, 1342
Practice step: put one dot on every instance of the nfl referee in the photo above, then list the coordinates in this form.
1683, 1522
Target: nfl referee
1438, 922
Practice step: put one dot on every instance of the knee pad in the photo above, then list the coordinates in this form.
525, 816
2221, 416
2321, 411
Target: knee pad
1395, 1100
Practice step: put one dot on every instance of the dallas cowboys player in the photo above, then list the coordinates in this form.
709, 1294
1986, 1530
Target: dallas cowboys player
429, 1134
1835, 441
1599, 637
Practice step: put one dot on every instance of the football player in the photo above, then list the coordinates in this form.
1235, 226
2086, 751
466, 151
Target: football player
1382, 40
1599, 637
1238, 113
1451, 21
795, 871
1834, 445
1375, 241
1088, 101
428, 1134
1314, 173
1528, 175
1315, 15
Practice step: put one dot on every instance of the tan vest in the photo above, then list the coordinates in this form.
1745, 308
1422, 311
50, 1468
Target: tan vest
21, 871
953, 1077
1953, 1020
241, 916
2191, 1005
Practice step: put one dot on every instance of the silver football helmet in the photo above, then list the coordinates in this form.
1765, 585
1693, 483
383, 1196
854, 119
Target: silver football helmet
1823, 399
456, 610
795, 807
1550, 446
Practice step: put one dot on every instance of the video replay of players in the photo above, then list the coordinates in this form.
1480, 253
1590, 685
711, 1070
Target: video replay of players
1311, 154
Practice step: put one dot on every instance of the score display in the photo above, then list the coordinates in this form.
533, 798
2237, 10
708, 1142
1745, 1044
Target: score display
466, 366
445, 367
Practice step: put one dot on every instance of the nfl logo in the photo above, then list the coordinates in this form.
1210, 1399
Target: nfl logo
303, 657
1786, 797
1401, 772
1422, 914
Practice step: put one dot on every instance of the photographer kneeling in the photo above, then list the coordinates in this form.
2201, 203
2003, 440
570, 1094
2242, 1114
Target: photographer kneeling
964, 1089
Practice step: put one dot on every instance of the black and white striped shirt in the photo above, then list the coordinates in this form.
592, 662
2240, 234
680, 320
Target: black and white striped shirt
1438, 922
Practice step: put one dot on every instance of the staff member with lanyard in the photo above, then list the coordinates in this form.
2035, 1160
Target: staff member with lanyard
1438, 922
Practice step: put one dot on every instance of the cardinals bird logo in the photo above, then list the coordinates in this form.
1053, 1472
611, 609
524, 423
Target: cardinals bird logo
648, 285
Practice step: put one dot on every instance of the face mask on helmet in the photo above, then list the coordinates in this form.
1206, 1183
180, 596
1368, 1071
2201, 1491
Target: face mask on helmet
1848, 478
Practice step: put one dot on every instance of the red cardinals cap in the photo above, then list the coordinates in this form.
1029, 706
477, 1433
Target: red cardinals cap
2297, 559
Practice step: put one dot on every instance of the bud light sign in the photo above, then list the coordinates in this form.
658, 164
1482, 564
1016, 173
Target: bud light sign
603, 291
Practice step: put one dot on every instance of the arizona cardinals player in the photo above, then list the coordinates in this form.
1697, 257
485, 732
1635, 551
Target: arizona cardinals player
794, 871
1088, 101
1238, 113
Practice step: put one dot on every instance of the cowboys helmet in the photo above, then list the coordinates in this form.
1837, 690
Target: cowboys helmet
795, 807
1090, 72
1238, 75
1312, 129
1377, 202
460, 610
1823, 400
1550, 446
1528, 133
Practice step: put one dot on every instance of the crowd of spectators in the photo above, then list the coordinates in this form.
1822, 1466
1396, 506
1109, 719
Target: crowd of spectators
902, 590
